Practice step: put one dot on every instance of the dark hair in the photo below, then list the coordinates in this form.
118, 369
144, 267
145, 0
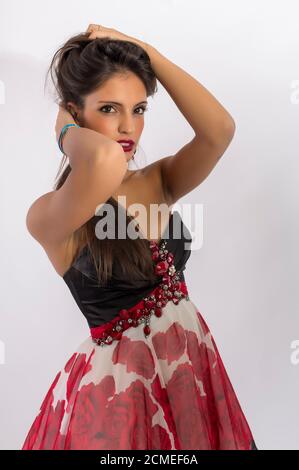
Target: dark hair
80, 66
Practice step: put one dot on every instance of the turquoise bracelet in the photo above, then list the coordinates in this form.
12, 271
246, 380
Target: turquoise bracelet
63, 131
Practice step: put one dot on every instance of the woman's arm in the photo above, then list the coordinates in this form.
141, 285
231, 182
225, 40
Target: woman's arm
207, 117
214, 128
81, 143
98, 168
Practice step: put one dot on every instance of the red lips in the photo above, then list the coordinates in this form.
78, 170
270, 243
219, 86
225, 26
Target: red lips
131, 142
128, 147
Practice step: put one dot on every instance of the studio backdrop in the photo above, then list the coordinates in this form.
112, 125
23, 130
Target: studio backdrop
243, 271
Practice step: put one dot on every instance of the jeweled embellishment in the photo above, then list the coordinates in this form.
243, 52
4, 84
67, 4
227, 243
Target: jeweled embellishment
170, 288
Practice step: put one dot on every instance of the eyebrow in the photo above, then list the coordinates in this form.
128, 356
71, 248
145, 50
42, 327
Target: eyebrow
119, 104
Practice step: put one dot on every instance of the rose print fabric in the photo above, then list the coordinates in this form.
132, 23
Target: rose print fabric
167, 391
149, 376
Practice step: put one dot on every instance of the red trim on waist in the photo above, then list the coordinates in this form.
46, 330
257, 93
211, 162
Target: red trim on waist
170, 288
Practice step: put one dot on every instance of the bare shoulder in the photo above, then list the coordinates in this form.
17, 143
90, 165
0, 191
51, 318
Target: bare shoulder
146, 182
59, 254
35, 211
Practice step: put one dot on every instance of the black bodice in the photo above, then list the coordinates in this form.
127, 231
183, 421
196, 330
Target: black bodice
100, 304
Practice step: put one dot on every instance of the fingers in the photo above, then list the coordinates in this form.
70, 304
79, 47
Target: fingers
93, 31
93, 36
92, 27
96, 32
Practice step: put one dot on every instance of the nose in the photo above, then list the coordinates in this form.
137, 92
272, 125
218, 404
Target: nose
126, 124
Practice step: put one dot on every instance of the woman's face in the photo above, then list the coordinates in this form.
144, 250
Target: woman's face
117, 121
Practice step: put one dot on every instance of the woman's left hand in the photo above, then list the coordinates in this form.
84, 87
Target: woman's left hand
100, 31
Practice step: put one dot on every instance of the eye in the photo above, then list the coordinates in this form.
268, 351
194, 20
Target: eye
144, 108
106, 106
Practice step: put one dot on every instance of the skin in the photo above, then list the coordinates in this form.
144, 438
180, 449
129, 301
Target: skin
213, 126
114, 121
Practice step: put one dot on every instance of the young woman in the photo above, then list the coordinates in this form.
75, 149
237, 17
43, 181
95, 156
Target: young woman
149, 376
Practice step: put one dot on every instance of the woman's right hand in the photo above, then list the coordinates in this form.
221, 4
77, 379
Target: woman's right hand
63, 117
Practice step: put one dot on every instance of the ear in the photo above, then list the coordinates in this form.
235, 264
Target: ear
73, 109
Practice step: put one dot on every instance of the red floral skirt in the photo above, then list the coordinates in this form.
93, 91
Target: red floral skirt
166, 391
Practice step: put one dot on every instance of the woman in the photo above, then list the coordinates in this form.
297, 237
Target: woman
149, 376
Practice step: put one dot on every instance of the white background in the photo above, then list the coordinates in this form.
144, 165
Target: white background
244, 278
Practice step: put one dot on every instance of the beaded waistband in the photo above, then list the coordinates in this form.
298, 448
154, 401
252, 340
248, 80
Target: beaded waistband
170, 288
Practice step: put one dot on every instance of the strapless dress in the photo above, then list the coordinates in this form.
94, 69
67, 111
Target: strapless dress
149, 375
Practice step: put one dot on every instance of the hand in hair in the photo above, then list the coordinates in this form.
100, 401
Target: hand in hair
96, 32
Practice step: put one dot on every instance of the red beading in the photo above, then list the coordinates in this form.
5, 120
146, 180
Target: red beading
170, 288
